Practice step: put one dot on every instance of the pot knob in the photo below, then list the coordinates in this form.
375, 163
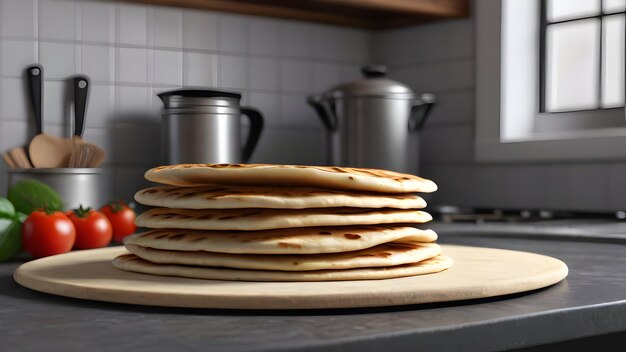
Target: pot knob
374, 71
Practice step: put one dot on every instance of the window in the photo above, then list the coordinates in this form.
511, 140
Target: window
581, 65
550, 80
582, 55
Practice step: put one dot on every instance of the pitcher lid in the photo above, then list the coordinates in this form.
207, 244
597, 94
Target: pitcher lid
199, 97
374, 84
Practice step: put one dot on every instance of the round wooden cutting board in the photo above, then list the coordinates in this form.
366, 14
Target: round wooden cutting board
477, 273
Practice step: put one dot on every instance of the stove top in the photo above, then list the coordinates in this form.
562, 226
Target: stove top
546, 224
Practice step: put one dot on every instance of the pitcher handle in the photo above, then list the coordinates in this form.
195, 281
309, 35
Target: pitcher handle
420, 111
324, 112
256, 126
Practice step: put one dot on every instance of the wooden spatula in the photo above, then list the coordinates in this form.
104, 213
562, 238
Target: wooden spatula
45, 150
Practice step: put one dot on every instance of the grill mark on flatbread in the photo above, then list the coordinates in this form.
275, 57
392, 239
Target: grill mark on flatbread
132, 263
353, 211
264, 219
289, 245
379, 256
250, 213
229, 217
277, 197
310, 240
368, 179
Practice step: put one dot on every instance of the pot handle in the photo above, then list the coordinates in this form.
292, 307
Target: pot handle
420, 111
256, 126
323, 111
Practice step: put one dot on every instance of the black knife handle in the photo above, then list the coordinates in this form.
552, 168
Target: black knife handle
81, 91
34, 76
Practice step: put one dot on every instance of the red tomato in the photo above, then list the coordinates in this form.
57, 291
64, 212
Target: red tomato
122, 218
93, 229
45, 234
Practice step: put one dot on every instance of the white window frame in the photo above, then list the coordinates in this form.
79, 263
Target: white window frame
505, 112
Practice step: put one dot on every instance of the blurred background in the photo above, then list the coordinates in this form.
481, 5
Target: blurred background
133, 51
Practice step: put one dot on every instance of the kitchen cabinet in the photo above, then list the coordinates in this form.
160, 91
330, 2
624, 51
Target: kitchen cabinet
371, 14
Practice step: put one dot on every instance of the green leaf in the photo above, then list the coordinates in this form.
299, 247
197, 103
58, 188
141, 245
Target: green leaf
30, 195
10, 238
7, 210
21, 217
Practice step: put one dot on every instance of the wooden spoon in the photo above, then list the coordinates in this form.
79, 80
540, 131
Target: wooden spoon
45, 150
19, 157
7, 159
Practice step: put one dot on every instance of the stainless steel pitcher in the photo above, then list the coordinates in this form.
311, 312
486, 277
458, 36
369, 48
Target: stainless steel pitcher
373, 122
204, 126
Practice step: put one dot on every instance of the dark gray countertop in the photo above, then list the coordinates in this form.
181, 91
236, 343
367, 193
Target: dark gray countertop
591, 301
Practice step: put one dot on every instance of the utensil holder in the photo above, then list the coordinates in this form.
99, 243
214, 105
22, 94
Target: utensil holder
76, 186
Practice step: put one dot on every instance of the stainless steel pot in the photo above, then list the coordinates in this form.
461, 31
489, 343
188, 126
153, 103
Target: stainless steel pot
76, 186
204, 126
373, 122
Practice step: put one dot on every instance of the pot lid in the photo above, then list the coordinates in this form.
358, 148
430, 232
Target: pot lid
374, 84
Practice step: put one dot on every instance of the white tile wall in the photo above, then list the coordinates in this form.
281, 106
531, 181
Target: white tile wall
269, 104
264, 74
132, 52
97, 22
296, 39
168, 67
132, 25
132, 99
325, 76
55, 101
199, 30
199, 69
233, 72
13, 55
264, 36
167, 28
18, 18
296, 76
57, 59
232, 33
132, 65
13, 103
57, 19
98, 62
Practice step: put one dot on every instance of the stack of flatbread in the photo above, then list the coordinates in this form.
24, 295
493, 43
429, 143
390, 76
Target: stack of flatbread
259, 222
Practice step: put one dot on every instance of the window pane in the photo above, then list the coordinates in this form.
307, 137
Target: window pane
566, 9
614, 6
613, 61
572, 65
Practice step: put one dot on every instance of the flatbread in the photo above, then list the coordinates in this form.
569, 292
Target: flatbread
386, 254
304, 240
233, 197
131, 262
330, 177
264, 219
